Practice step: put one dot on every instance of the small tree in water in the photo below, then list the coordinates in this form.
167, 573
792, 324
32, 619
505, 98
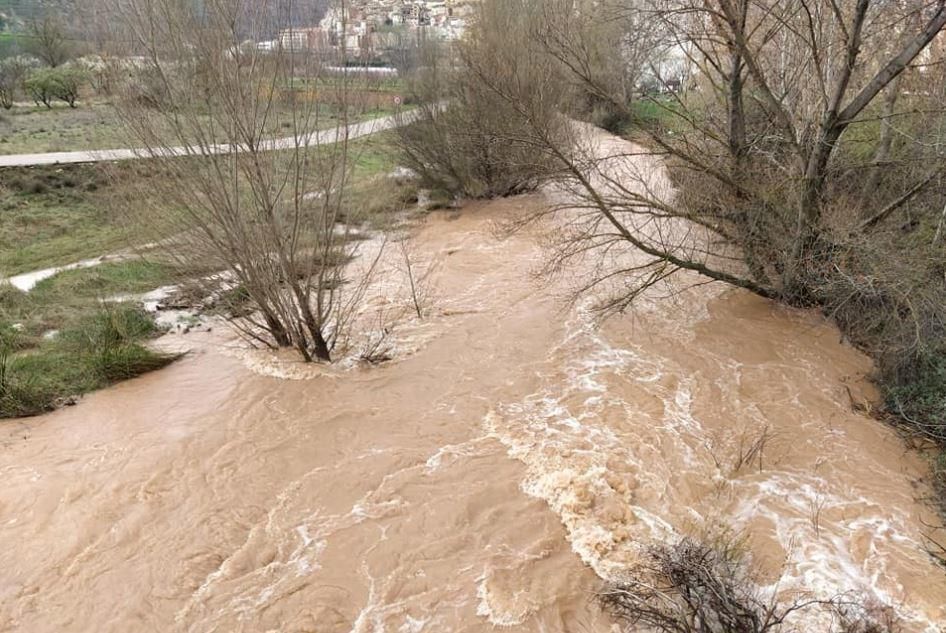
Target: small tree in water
264, 215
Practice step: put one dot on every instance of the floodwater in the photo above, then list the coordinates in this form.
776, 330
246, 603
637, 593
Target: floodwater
512, 456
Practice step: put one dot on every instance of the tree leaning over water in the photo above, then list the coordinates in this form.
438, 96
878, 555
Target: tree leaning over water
793, 148
804, 147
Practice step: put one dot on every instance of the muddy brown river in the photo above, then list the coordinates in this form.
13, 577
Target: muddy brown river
511, 457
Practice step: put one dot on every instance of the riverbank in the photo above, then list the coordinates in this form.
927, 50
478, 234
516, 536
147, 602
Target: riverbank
56, 216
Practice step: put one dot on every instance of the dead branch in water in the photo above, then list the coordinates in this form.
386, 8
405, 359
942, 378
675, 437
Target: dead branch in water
694, 587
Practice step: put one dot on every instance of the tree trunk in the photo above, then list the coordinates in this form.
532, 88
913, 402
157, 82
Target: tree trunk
885, 143
737, 113
276, 330
737, 117
321, 347
808, 227
314, 326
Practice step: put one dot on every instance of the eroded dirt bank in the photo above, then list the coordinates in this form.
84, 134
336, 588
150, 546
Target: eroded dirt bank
451, 490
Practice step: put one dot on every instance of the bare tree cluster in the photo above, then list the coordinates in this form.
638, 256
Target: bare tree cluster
48, 40
266, 218
472, 139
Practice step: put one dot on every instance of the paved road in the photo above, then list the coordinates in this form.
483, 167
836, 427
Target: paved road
333, 135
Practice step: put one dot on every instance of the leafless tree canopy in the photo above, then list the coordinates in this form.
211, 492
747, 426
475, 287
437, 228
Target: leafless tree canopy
49, 40
484, 103
262, 218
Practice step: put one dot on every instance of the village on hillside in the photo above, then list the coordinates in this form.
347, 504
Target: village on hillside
368, 30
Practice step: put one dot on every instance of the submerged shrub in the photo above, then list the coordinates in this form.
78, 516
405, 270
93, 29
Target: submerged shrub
128, 361
109, 341
695, 587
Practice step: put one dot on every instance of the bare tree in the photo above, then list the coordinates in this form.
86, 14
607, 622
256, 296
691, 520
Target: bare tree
790, 78
268, 217
48, 40
13, 72
418, 277
480, 105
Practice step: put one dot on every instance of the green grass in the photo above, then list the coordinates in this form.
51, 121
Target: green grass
69, 337
373, 155
53, 216
373, 198
101, 348
30, 130
106, 280
11, 44
653, 111
63, 301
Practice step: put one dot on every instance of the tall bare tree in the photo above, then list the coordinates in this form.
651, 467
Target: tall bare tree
268, 217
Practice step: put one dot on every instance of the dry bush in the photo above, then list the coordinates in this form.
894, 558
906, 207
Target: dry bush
691, 588
695, 587
481, 105
734, 453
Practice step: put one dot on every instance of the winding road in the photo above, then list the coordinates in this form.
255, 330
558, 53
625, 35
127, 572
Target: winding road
323, 137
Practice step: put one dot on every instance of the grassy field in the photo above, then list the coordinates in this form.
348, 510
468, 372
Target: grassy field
101, 346
28, 129
69, 336
53, 216
66, 338
63, 302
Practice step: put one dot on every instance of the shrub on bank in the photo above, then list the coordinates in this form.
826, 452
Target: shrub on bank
918, 394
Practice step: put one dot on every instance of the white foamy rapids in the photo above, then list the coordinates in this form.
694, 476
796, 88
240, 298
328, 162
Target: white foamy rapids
588, 472
834, 543
499, 609
612, 444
